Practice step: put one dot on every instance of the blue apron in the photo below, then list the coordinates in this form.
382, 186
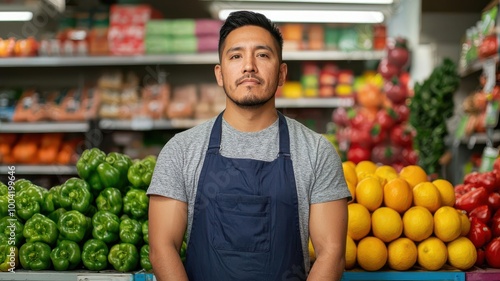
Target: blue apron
246, 220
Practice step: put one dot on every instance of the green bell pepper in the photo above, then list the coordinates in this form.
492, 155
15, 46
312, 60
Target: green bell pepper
110, 199
136, 203
73, 226
182, 252
106, 226
48, 205
29, 200
56, 193
87, 164
130, 231
145, 261
35, 256
95, 254
40, 228
121, 163
12, 230
123, 257
145, 231
4, 200
140, 173
55, 215
66, 255
91, 211
75, 195
20, 184
9, 257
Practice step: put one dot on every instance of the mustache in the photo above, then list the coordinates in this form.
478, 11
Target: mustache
250, 76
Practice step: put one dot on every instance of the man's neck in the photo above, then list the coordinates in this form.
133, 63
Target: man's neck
249, 119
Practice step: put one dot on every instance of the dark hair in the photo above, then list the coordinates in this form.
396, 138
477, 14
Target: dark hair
242, 18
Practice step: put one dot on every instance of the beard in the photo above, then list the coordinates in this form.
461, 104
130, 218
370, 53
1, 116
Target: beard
250, 101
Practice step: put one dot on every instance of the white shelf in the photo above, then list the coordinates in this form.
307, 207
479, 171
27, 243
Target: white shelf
44, 127
314, 102
148, 124
39, 170
198, 58
76, 275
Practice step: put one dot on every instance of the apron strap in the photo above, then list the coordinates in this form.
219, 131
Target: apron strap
215, 136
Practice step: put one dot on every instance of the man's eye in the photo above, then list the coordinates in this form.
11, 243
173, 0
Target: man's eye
234, 57
263, 55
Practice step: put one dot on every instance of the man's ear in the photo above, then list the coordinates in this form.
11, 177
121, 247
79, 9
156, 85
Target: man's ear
218, 75
282, 74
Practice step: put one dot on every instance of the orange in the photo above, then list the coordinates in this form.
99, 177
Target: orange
413, 174
358, 222
447, 192
461, 253
370, 193
386, 224
372, 253
350, 173
352, 190
427, 195
350, 253
447, 224
418, 223
398, 195
349, 163
432, 253
365, 166
465, 222
386, 172
312, 253
401, 254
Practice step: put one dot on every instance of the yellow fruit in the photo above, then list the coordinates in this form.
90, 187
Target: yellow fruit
386, 172
398, 195
465, 223
432, 253
427, 195
359, 221
447, 224
312, 253
349, 163
352, 190
461, 253
362, 176
447, 192
413, 174
350, 253
365, 166
401, 254
372, 253
386, 224
370, 193
418, 223
350, 172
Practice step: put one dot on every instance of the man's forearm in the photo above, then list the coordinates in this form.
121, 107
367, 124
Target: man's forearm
326, 269
167, 265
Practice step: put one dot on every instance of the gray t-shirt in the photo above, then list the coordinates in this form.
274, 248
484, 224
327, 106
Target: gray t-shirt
317, 166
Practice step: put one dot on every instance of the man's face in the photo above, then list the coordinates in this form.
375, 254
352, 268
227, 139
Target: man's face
250, 70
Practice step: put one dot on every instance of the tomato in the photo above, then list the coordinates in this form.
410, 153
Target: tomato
385, 154
479, 233
359, 120
493, 253
378, 134
402, 112
386, 117
494, 201
402, 135
339, 117
387, 70
395, 91
360, 137
472, 199
398, 55
357, 153
410, 156
488, 46
482, 213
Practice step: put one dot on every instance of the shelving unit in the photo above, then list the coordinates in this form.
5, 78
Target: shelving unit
81, 275
40, 169
45, 127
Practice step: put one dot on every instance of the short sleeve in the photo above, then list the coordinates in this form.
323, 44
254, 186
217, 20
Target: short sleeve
167, 178
329, 183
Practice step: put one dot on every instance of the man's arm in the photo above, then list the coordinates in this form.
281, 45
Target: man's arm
328, 230
167, 224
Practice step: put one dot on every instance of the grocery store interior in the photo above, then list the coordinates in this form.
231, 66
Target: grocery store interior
408, 85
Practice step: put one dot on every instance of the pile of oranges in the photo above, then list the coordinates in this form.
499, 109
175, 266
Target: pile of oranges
401, 220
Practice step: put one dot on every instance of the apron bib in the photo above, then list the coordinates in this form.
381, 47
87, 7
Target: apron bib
246, 221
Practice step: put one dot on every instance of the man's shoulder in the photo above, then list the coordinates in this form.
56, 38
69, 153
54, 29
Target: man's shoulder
298, 129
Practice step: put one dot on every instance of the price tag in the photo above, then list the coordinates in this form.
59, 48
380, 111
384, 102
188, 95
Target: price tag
142, 123
488, 158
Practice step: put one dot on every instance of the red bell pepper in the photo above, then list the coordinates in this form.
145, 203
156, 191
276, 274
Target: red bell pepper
472, 199
494, 201
480, 257
461, 189
482, 213
495, 226
493, 253
479, 233
487, 180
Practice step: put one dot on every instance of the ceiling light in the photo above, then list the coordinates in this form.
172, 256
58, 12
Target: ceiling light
323, 1
315, 16
16, 16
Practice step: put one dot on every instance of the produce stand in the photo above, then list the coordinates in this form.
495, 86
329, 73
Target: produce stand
76, 275
480, 274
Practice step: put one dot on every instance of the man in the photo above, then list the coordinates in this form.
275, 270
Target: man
251, 185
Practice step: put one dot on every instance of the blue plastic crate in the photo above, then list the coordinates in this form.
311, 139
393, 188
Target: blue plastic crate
144, 276
447, 273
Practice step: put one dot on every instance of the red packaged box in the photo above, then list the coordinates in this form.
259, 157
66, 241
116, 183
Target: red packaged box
129, 14
126, 40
